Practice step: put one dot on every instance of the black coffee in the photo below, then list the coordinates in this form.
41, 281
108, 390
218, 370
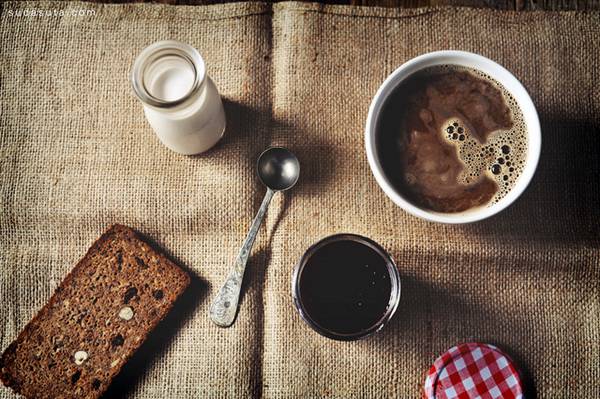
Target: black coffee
345, 287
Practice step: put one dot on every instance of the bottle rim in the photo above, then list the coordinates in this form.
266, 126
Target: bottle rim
156, 52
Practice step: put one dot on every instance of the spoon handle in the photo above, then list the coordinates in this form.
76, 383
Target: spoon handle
224, 307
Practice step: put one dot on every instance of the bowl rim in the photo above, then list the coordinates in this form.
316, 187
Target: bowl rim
497, 72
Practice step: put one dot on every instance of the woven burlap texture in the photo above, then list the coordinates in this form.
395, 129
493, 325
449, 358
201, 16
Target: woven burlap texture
77, 155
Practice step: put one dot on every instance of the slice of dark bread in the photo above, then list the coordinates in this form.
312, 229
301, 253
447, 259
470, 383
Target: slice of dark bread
98, 317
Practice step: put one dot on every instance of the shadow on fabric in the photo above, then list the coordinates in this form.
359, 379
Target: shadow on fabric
561, 203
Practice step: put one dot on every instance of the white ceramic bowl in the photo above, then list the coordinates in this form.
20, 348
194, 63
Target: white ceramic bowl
498, 73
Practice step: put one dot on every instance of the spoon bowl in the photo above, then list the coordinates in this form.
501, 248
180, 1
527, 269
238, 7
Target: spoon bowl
278, 168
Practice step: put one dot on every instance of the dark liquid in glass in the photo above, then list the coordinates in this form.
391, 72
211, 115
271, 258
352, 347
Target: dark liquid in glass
345, 287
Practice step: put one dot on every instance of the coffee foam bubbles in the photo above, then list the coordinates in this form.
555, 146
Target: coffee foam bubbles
502, 157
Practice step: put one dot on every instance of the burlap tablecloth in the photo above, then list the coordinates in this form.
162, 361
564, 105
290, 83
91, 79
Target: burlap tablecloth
77, 155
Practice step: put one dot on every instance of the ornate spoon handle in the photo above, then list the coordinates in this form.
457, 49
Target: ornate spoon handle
224, 307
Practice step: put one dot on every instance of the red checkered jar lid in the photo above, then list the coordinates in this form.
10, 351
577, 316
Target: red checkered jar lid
473, 370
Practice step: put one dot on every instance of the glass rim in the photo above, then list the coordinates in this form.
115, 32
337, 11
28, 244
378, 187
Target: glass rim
394, 292
155, 52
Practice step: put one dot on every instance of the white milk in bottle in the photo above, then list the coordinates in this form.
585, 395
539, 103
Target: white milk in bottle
181, 102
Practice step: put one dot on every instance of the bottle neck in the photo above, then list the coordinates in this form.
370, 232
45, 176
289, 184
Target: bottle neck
168, 76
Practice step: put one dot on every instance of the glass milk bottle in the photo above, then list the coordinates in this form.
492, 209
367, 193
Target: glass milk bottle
180, 101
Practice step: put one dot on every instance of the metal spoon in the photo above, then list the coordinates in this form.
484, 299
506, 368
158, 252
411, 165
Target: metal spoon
278, 169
